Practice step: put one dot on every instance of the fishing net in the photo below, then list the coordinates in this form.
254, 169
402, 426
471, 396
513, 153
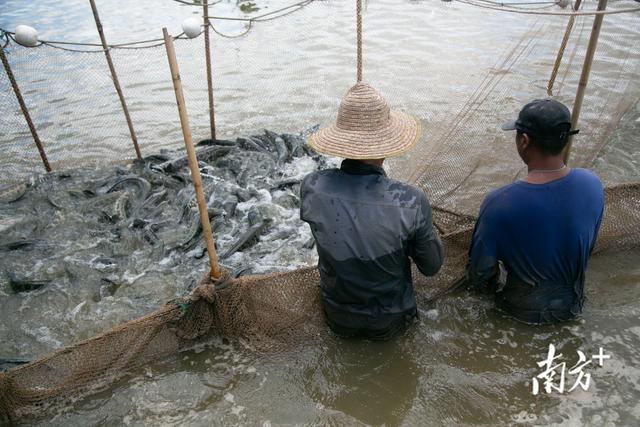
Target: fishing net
461, 158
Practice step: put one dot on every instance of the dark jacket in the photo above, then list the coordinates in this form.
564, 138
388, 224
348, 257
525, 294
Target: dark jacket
366, 227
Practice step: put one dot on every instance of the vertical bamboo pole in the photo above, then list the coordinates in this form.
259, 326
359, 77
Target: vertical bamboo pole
563, 46
584, 78
191, 155
24, 109
359, 39
207, 55
114, 76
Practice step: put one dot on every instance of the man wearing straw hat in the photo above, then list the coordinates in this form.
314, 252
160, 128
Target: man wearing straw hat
366, 225
542, 228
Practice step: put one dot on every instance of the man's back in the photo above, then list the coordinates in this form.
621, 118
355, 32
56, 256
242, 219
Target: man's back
543, 233
366, 226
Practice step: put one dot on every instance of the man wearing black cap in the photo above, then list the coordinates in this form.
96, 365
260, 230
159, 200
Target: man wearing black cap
538, 231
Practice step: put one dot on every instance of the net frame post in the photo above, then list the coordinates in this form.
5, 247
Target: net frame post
207, 55
584, 77
114, 77
25, 110
191, 155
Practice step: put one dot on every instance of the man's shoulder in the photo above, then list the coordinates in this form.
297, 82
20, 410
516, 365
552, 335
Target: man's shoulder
588, 176
313, 178
394, 184
493, 197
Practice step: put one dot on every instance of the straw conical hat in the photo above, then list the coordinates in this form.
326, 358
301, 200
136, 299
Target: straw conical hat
367, 128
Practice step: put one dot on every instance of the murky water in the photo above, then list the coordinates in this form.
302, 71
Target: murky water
463, 364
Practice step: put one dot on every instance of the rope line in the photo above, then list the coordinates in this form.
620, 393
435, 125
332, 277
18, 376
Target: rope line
517, 5
155, 42
235, 36
60, 44
5, 36
528, 11
359, 40
188, 3
151, 43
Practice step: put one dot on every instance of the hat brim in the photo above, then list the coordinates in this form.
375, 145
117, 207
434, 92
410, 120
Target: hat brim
402, 133
509, 125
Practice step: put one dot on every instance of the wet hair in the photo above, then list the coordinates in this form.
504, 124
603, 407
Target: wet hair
548, 146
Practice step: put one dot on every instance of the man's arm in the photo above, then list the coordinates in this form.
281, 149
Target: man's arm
598, 223
426, 248
482, 267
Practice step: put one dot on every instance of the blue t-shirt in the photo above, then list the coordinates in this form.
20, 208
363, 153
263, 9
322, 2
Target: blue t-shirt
543, 234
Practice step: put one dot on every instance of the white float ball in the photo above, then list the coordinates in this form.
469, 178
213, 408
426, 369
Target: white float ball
26, 35
191, 27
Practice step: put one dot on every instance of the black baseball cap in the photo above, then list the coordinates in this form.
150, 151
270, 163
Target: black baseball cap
545, 119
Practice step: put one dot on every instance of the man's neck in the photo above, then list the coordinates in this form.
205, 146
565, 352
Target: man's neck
375, 162
546, 169
545, 163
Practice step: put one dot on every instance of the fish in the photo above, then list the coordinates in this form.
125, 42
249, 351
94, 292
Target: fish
156, 198
287, 182
195, 226
295, 144
6, 364
257, 167
256, 225
156, 158
149, 207
208, 154
310, 244
121, 208
305, 134
17, 244
280, 146
262, 141
221, 142
54, 203
126, 205
248, 144
21, 284
141, 184
243, 195
13, 193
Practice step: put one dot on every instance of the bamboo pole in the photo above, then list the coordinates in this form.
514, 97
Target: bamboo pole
563, 46
191, 155
24, 109
584, 78
207, 55
114, 76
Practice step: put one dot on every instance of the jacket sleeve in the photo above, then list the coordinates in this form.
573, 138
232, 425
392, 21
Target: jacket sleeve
483, 253
304, 199
425, 248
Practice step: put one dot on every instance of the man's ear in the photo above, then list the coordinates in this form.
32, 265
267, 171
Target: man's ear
525, 141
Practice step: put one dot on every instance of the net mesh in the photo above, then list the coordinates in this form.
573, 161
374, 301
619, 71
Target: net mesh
460, 159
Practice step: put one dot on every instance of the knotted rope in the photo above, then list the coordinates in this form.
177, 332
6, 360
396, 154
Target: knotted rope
198, 309
208, 287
